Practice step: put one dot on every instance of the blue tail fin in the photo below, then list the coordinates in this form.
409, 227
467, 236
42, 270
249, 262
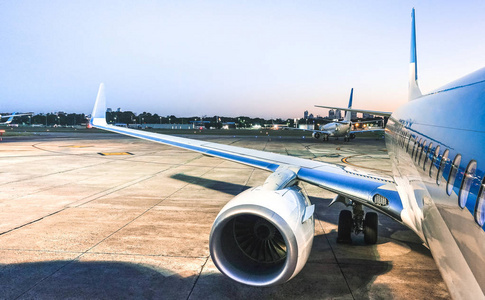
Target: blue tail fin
10, 119
348, 114
414, 91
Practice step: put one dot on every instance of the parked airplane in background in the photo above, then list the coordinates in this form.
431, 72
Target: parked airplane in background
339, 128
10, 117
264, 235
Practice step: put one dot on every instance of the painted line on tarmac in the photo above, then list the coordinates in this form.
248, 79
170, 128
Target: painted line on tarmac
345, 161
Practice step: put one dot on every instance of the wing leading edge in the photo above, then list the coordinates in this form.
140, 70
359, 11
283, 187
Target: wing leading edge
373, 112
360, 186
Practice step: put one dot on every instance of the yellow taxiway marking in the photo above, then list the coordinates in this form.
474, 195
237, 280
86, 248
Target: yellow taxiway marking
114, 153
345, 161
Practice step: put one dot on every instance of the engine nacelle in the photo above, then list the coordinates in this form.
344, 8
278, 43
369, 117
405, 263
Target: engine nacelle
316, 135
263, 237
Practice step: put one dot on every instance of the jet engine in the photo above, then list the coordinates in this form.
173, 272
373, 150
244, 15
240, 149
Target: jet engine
316, 135
263, 236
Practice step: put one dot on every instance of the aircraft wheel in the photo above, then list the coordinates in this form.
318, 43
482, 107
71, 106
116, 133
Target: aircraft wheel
344, 227
370, 228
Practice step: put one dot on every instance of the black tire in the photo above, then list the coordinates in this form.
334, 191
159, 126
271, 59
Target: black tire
344, 227
370, 228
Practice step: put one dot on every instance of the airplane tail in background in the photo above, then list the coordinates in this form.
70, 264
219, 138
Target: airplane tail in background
348, 114
414, 91
10, 119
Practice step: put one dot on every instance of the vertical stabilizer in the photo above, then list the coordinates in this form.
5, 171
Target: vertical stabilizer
414, 91
98, 117
10, 119
348, 114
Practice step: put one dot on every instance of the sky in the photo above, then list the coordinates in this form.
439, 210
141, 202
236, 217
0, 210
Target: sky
272, 59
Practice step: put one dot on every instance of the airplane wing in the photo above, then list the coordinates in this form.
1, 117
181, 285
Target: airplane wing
16, 115
376, 191
367, 130
363, 122
309, 130
372, 112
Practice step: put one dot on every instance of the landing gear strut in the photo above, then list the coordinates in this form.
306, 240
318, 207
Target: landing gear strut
355, 222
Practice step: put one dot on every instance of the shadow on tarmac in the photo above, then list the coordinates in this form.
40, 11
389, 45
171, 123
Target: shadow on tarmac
324, 276
121, 280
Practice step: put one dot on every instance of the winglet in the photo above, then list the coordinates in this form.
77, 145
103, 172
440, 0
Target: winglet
414, 91
98, 117
348, 114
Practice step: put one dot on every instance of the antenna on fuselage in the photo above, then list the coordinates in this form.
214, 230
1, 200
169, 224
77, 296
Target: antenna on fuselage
414, 91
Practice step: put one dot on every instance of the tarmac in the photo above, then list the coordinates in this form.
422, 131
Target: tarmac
102, 216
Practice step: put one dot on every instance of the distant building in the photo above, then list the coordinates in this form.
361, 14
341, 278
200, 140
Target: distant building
310, 116
109, 110
338, 114
305, 114
331, 114
353, 115
367, 116
306, 126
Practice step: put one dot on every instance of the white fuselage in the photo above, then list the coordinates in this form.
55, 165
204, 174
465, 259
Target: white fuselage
337, 129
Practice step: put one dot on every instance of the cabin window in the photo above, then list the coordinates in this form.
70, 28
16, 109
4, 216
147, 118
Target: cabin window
414, 147
444, 160
418, 150
435, 157
480, 206
423, 150
428, 151
467, 183
409, 142
453, 171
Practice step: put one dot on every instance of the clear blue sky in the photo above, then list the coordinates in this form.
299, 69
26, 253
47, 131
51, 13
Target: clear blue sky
254, 58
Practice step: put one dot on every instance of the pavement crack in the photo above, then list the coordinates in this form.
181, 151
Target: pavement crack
198, 276
32, 222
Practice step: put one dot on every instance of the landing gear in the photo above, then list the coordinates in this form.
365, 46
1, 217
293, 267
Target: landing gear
355, 222
345, 223
370, 228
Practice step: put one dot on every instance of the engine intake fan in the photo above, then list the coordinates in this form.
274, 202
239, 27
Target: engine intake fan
260, 237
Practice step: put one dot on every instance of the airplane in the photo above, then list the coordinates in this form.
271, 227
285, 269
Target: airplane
10, 117
339, 128
264, 235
